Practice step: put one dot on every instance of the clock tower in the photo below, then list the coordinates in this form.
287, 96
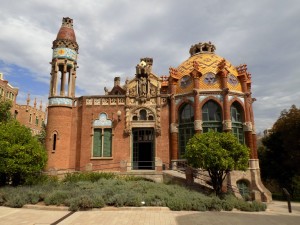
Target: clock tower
61, 96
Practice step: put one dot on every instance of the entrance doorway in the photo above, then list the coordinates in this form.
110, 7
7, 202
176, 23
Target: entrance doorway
143, 149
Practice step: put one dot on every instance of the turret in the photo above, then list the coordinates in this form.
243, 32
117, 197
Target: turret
61, 97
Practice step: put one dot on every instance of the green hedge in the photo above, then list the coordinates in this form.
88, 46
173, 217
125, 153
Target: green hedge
87, 191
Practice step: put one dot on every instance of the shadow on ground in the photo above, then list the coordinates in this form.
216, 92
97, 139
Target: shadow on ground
227, 218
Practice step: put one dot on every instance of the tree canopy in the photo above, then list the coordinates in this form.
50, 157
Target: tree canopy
21, 154
5, 106
280, 155
218, 153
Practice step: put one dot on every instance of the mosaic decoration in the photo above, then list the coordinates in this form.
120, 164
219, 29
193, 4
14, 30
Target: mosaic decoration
230, 97
60, 101
220, 97
232, 80
191, 99
210, 78
102, 121
65, 53
242, 100
185, 81
179, 100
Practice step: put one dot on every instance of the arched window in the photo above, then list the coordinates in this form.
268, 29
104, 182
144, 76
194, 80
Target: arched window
243, 186
102, 138
186, 126
237, 121
211, 117
54, 142
143, 114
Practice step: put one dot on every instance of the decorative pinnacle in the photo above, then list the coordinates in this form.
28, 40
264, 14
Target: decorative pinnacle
67, 22
202, 48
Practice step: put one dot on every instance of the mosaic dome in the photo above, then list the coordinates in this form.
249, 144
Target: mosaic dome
203, 54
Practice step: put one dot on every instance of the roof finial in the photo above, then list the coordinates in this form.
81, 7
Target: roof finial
28, 99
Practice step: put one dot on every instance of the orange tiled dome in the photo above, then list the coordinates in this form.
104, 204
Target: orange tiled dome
203, 54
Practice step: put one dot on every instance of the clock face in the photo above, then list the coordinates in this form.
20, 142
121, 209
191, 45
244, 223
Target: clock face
185, 81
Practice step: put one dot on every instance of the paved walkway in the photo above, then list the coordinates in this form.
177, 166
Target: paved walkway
276, 214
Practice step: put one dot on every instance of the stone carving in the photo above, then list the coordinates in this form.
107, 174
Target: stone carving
121, 101
127, 131
227, 125
158, 131
97, 101
89, 101
152, 91
247, 126
143, 86
198, 125
113, 101
164, 101
174, 128
132, 92
253, 129
105, 101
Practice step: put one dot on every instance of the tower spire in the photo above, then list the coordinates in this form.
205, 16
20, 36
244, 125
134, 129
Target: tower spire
28, 99
64, 62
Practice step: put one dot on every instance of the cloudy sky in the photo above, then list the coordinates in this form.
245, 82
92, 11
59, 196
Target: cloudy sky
113, 35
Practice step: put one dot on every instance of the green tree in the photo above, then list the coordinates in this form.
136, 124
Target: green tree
280, 155
5, 106
42, 135
218, 153
21, 154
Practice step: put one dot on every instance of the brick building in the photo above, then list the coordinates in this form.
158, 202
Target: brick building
146, 122
30, 116
7, 91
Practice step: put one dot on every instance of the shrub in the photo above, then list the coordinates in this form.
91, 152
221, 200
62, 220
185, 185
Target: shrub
155, 198
16, 201
214, 204
80, 202
40, 179
85, 194
88, 176
175, 204
57, 197
227, 205
34, 196
258, 206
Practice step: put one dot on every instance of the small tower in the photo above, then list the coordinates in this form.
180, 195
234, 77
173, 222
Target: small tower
61, 96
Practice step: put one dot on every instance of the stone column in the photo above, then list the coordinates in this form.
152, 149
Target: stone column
197, 112
254, 137
173, 130
54, 79
247, 123
227, 125
63, 80
70, 83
